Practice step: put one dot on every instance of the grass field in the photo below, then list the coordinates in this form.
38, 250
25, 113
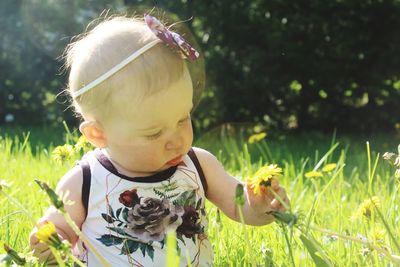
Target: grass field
333, 202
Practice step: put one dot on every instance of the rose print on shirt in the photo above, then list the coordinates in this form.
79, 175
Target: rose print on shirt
145, 220
151, 219
190, 225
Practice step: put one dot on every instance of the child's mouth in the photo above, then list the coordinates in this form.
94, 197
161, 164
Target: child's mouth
175, 161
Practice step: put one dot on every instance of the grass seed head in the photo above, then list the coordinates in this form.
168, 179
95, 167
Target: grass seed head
54, 199
14, 255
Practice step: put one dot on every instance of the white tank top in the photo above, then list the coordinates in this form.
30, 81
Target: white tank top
128, 217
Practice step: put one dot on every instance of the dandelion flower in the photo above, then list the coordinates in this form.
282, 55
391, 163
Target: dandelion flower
62, 153
313, 174
366, 208
47, 233
377, 235
264, 177
254, 138
329, 167
82, 143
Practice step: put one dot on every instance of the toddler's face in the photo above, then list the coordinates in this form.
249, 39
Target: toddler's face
157, 134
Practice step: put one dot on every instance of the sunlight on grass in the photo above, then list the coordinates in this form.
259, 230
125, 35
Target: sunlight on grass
349, 176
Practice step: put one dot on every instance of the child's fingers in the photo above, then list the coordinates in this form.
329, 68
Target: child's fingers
32, 237
275, 184
280, 200
265, 196
44, 255
280, 194
276, 205
39, 248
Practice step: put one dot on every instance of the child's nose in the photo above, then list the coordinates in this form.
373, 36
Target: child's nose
174, 142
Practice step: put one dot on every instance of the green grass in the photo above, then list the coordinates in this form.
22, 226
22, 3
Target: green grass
327, 202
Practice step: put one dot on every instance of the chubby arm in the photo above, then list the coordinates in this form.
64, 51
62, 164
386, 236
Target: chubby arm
71, 182
222, 188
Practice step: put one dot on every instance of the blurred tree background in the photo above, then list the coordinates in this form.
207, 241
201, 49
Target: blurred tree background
295, 65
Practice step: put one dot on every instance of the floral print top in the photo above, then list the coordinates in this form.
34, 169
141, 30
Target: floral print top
128, 217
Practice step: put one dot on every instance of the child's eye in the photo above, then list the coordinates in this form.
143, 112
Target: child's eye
154, 136
184, 119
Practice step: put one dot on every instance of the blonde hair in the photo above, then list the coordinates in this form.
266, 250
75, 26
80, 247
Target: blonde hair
106, 45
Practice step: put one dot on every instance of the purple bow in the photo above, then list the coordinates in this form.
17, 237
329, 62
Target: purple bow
172, 39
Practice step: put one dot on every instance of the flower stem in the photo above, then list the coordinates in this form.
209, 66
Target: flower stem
244, 229
60, 262
82, 237
393, 258
289, 247
77, 261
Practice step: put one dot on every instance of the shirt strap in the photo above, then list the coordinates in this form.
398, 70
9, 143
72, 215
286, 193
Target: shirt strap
196, 163
86, 181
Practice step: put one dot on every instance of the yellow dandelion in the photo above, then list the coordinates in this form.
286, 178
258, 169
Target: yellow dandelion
377, 235
366, 208
62, 153
47, 233
254, 138
264, 177
313, 174
329, 167
82, 143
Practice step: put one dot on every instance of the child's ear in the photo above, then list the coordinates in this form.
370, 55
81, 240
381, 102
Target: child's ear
94, 133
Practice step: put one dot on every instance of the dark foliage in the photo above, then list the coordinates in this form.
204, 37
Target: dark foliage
285, 64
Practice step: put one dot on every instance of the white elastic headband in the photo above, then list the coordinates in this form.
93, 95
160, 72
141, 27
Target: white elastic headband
114, 69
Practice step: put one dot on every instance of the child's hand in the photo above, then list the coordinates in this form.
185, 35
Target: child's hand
267, 202
41, 250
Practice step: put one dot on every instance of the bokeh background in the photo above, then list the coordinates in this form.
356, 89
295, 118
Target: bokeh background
284, 65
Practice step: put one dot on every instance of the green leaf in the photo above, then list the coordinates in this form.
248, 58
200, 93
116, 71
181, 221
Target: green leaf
118, 230
198, 205
129, 247
187, 198
180, 237
110, 210
125, 214
110, 240
107, 217
118, 212
315, 251
143, 248
150, 251
286, 217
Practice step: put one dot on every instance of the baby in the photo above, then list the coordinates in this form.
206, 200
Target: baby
130, 82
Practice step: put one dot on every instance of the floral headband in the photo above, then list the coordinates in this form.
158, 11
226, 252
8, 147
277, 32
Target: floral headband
170, 38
